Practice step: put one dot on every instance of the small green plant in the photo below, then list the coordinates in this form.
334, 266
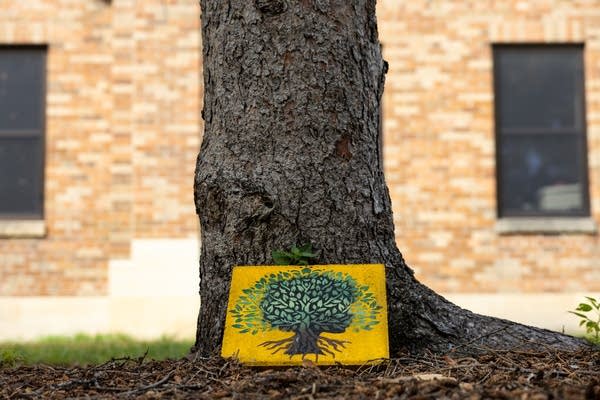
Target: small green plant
296, 256
591, 321
9, 358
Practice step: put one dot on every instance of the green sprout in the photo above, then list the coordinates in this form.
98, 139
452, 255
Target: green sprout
296, 256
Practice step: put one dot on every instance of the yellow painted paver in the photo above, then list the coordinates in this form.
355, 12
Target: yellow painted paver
285, 315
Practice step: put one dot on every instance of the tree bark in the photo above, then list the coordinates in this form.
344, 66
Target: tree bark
290, 155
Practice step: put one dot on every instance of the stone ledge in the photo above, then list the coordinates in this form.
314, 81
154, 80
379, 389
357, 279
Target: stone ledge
550, 225
32, 317
16, 229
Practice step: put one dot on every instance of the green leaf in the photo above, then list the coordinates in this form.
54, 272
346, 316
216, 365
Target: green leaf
580, 315
237, 326
584, 307
595, 303
281, 258
306, 247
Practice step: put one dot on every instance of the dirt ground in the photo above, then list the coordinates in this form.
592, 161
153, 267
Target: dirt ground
496, 375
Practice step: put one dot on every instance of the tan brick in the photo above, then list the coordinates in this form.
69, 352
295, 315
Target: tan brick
109, 65
439, 142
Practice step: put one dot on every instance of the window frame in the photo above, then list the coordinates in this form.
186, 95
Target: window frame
40, 169
579, 134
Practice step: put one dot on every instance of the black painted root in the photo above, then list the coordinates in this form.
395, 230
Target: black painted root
306, 342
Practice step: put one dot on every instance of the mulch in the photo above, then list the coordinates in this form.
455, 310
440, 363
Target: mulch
495, 375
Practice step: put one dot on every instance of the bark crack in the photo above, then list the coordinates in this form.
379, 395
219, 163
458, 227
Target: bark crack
270, 7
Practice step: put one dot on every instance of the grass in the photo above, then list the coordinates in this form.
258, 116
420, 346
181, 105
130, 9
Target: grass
89, 350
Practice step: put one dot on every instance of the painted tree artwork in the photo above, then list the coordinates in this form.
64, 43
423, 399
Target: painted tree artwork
282, 315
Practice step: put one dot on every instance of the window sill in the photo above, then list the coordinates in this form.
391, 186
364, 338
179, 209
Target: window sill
549, 225
17, 229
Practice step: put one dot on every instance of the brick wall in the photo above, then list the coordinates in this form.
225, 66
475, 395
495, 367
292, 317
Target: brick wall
439, 142
123, 130
122, 133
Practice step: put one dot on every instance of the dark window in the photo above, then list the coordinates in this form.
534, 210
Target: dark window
22, 111
540, 130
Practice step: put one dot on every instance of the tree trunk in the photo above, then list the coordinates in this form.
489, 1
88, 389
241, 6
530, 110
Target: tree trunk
305, 341
291, 155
